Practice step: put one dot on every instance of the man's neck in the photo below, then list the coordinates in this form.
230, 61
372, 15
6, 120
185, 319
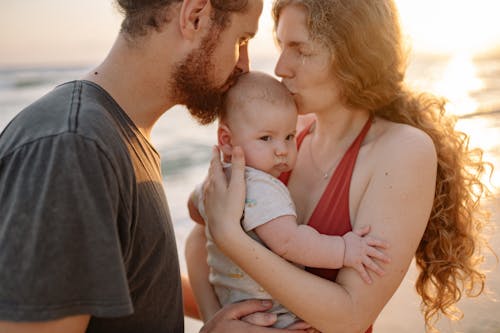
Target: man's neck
137, 79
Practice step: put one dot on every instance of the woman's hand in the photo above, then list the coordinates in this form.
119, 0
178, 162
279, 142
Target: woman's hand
224, 201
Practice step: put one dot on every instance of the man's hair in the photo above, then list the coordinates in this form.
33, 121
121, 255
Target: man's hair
140, 16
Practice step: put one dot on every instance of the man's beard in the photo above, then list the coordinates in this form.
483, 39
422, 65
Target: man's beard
193, 81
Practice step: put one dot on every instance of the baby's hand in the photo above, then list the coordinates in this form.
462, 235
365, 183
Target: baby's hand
361, 250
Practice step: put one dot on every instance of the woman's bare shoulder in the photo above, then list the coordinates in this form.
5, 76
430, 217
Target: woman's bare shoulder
396, 141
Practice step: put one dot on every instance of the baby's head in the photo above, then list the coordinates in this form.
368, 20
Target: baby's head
260, 116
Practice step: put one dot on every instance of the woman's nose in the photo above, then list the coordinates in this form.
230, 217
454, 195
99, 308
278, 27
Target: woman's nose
282, 69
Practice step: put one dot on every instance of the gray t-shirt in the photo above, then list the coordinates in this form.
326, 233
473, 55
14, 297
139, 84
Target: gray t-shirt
84, 222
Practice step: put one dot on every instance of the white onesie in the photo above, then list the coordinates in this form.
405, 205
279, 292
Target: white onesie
266, 199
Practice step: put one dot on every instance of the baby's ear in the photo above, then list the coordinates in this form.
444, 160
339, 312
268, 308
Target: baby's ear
224, 140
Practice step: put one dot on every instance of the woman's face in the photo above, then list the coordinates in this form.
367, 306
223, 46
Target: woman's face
304, 64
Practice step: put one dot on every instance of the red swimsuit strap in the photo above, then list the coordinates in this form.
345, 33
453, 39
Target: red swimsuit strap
331, 214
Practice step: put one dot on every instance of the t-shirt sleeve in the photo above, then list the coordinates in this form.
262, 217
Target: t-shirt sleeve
266, 199
60, 251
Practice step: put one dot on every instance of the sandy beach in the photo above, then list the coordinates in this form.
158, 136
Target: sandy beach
481, 314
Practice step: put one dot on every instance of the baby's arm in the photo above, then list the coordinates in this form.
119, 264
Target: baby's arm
304, 245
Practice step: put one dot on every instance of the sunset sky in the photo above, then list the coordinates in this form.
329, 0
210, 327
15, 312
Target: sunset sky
36, 32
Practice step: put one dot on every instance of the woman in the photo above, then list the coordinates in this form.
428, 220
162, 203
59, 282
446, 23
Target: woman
377, 154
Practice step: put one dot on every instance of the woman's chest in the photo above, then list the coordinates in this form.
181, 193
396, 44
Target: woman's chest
309, 188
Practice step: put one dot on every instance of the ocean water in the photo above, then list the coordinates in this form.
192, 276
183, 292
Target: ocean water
472, 84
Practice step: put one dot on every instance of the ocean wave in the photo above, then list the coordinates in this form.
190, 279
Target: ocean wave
27, 78
181, 158
481, 113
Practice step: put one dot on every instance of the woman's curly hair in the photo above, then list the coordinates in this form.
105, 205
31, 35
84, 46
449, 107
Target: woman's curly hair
369, 62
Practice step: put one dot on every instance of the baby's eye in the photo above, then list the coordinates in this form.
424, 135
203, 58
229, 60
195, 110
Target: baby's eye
265, 138
290, 137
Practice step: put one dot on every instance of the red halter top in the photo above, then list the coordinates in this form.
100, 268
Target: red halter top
331, 215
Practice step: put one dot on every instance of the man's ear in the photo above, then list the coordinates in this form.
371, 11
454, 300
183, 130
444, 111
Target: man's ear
224, 140
194, 18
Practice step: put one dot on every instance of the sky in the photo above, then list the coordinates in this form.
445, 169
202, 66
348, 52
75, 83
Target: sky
68, 32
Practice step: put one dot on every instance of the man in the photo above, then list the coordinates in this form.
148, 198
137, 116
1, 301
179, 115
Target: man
86, 240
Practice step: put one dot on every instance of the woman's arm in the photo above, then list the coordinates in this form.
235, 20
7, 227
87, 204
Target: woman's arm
246, 316
196, 261
188, 299
396, 203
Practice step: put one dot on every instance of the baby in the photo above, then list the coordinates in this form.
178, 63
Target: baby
260, 116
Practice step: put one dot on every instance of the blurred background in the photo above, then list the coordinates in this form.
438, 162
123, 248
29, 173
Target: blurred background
455, 53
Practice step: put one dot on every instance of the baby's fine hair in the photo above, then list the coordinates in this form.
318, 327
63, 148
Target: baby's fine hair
254, 85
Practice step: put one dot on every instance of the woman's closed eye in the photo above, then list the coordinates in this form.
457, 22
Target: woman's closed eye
305, 52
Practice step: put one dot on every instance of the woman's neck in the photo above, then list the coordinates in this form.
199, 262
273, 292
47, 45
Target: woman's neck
336, 129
